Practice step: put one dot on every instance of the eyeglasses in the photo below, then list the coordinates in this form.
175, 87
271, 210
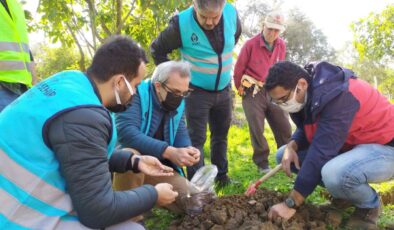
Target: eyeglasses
177, 92
283, 100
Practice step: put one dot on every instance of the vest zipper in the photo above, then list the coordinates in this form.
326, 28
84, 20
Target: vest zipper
219, 72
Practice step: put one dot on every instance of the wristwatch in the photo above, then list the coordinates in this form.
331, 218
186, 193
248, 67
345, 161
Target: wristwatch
290, 203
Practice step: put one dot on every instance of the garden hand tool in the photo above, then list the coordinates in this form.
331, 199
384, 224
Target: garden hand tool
252, 187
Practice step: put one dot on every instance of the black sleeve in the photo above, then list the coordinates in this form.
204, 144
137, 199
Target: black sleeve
120, 161
167, 41
79, 139
238, 32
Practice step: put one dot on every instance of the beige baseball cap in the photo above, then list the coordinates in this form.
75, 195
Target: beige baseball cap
275, 20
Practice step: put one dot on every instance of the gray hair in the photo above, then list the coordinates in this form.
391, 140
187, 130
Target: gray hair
209, 4
163, 71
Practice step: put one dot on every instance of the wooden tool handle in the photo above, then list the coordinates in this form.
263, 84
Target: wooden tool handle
270, 173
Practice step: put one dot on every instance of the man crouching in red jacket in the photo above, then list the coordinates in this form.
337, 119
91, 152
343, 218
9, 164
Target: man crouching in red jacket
344, 137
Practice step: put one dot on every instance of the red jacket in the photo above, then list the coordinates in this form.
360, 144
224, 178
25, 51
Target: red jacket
341, 111
255, 59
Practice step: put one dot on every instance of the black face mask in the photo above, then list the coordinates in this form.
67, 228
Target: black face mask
118, 108
171, 102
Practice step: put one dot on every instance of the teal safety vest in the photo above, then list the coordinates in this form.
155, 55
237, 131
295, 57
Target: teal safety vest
210, 70
33, 191
145, 92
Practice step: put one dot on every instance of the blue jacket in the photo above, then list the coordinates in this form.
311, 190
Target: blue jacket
128, 124
341, 112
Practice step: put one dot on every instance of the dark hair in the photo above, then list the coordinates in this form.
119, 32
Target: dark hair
209, 4
118, 55
285, 74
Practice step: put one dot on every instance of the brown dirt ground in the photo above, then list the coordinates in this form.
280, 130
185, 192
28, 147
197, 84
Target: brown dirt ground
239, 212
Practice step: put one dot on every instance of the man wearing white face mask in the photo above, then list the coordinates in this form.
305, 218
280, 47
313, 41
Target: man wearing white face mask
344, 138
56, 161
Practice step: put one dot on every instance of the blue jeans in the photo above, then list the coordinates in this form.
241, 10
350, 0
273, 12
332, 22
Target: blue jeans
347, 175
6, 97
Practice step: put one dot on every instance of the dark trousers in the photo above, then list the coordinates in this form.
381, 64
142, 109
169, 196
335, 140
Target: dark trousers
204, 107
257, 109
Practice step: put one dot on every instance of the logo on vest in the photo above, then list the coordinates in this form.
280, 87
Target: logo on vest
194, 39
46, 89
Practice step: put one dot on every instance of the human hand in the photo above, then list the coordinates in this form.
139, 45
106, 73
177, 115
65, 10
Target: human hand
195, 153
181, 156
281, 210
289, 156
165, 194
152, 166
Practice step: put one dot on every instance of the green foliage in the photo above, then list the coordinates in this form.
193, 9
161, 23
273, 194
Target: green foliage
387, 85
374, 35
87, 23
52, 60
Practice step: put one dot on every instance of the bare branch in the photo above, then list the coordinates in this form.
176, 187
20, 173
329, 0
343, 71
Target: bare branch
82, 55
94, 11
95, 35
120, 25
118, 13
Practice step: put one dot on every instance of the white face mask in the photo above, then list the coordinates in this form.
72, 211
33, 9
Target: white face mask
119, 107
117, 97
292, 105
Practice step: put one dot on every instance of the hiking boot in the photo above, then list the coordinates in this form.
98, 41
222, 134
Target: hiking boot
365, 218
264, 170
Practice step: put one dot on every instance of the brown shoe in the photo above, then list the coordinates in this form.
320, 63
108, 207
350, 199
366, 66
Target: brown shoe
365, 218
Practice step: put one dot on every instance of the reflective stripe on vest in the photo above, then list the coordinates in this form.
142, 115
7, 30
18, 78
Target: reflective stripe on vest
210, 71
29, 170
14, 46
9, 168
15, 65
36, 219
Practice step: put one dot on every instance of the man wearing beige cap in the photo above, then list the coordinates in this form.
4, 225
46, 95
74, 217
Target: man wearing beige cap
256, 57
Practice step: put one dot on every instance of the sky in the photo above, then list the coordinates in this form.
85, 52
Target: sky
333, 17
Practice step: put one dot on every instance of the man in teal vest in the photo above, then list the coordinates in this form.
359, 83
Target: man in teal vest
56, 159
206, 34
16, 61
154, 125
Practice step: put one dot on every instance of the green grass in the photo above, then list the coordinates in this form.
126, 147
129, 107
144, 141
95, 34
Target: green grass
243, 170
